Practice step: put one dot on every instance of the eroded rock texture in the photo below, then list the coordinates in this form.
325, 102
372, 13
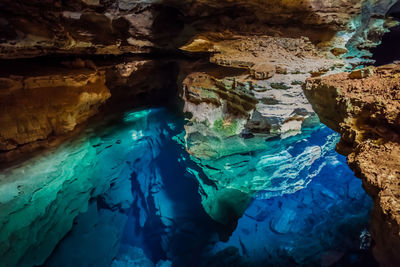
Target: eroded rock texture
41, 106
36, 107
364, 107
253, 95
251, 35
32, 28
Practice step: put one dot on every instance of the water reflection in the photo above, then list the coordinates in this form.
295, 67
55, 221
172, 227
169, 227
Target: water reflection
126, 193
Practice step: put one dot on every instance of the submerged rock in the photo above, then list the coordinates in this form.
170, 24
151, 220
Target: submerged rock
40, 198
124, 193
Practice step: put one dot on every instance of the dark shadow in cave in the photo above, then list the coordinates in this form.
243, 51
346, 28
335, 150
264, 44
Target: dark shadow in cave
389, 50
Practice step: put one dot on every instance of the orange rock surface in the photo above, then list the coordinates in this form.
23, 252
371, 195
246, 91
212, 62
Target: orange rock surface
35, 107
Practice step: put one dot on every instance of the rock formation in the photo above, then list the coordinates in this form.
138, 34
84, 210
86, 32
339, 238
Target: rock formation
363, 106
237, 34
119, 26
42, 106
37, 106
40, 199
235, 106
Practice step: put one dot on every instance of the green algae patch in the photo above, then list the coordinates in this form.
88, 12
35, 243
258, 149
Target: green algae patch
297, 83
281, 86
225, 127
269, 101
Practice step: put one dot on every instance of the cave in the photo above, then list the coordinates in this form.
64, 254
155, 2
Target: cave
386, 52
199, 133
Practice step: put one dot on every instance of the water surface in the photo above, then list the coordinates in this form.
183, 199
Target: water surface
126, 193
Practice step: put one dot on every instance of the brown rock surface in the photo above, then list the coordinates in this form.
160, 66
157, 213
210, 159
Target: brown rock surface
32, 28
35, 107
40, 107
366, 111
262, 55
379, 167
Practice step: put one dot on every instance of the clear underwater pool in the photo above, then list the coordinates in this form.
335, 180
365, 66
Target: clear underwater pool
126, 193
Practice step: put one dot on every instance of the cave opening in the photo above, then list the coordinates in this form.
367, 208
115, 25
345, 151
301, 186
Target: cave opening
387, 51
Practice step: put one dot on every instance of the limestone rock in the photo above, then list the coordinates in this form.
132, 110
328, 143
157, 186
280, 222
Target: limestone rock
233, 116
361, 73
119, 26
378, 166
42, 107
35, 107
366, 112
337, 51
263, 56
262, 71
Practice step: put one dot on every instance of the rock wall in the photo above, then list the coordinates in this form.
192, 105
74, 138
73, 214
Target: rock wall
41, 107
237, 34
249, 95
36, 107
364, 107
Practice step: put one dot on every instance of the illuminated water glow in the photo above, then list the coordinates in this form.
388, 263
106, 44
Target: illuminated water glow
128, 193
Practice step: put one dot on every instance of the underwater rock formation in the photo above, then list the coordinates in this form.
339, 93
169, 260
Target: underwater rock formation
125, 190
363, 107
294, 219
40, 198
254, 95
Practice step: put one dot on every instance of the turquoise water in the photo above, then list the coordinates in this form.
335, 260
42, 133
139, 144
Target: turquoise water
126, 193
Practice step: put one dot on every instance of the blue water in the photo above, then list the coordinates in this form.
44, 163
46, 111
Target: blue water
143, 207
318, 225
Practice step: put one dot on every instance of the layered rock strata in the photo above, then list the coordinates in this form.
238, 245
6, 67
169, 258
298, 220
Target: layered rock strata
252, 94
36, 28
41, 107
36, 107
118, 27
364, 107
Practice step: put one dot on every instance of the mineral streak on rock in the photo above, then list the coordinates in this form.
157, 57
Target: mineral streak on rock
366, 112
